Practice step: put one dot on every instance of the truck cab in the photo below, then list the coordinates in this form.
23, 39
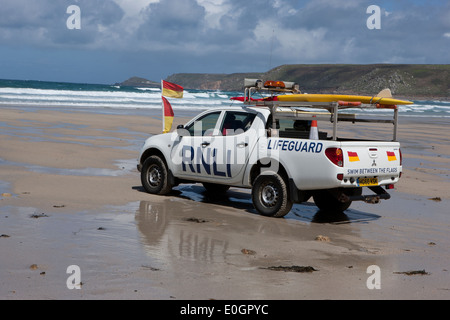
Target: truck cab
215, 146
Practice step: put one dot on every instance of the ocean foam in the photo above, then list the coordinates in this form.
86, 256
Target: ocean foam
35, 93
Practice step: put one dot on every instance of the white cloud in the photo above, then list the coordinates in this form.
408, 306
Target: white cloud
291, 44
132, 8
232, 35
337, 4
215, 10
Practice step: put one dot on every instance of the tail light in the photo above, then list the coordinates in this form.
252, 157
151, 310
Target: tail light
401, 158
335, 155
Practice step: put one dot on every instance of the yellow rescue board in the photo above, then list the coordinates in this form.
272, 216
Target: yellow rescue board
340, 97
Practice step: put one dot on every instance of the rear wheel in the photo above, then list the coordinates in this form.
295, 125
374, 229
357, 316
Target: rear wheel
155, 176
327, 200
270, 196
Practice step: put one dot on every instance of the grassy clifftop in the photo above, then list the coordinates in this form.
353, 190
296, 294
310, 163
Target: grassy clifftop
428, 81
139, 82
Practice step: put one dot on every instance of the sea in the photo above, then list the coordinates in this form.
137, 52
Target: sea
106, 98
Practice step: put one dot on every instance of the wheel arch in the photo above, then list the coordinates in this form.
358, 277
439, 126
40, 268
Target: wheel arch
156, 152
152, 152
256, 170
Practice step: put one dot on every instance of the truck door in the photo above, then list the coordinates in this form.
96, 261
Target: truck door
216, 147
231, 148
191, 154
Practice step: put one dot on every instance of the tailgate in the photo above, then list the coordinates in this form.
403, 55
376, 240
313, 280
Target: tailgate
370, 163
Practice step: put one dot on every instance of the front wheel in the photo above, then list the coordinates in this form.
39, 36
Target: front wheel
155, 176
270, 196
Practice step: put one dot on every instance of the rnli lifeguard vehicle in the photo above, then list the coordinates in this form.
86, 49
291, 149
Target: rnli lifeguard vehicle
272, 145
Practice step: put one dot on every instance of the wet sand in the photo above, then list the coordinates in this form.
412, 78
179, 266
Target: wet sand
71, 195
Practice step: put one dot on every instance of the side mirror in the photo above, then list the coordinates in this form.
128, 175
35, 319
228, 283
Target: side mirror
181, 131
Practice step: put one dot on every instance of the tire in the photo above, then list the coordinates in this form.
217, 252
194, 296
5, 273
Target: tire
270, 196
327, 200
215, 188
154, 176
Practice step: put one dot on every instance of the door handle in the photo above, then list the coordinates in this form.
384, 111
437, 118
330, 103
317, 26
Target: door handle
242, 144
205, 144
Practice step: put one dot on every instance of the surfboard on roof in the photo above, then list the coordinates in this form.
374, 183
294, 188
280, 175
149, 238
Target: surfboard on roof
289, 92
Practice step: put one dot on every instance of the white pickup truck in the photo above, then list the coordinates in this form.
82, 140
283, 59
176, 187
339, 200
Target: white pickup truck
265, 146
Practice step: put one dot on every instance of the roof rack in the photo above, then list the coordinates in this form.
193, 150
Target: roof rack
270, 86
299, 110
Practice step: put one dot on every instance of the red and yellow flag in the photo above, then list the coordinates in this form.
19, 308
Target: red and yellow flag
167, 115
391, 156
171, 90
353, 156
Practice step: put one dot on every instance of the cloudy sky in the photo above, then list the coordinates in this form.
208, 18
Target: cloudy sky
112, 40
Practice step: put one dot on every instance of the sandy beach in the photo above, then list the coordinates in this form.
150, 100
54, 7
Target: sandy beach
70, 194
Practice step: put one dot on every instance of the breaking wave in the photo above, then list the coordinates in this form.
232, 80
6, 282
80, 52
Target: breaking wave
74, 95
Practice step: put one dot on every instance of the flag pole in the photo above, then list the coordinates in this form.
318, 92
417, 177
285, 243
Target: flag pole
162, 105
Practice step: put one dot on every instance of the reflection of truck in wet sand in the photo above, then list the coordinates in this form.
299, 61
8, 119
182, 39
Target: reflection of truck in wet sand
273, 147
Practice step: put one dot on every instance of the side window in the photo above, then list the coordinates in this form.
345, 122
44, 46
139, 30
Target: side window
236, 122
204, 126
